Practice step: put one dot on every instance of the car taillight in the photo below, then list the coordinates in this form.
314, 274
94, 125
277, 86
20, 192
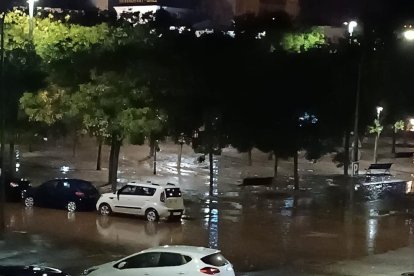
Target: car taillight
162, 197
80, 194
210, 270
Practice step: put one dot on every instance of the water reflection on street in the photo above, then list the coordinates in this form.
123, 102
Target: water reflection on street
255, 227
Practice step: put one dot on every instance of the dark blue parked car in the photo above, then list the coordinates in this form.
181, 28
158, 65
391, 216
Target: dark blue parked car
69, 194
20, 270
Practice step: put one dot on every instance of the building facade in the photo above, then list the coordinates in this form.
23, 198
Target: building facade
291, 7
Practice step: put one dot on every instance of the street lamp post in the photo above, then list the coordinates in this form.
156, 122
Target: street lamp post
2, 122
181, 141
352, 25
377, 129
31, 12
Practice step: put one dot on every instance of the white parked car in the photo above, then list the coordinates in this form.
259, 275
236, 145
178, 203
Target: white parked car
167, 261
150, 200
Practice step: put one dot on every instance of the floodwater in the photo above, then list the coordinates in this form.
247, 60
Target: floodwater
257, 228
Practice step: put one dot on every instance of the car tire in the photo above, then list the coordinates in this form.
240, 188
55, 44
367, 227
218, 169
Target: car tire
71, 206
105, 209
29, 201
152, 215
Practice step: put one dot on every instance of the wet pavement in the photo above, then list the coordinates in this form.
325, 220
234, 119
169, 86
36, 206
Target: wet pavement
262, 230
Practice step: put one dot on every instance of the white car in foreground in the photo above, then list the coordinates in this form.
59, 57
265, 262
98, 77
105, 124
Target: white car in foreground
150, 200
167, 261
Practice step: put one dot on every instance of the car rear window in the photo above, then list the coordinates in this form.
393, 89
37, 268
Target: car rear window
173, 192
85, 186
215, 259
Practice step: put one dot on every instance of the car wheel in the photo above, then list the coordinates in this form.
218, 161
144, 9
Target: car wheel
71, 206
105, 209
152, 215
29, 201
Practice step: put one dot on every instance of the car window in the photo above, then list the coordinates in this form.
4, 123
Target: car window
142, 260
171, 259
215, 259
63, 185
128, 190
173, 192
145, 191
84, 186
50, 185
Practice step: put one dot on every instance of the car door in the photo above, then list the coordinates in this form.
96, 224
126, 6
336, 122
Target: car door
46, 194
144, 198
171, 264
126, 200
138, 265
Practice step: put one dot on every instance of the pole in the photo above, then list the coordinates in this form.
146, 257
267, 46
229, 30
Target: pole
155, 157
2, 125
356, 119
31, 23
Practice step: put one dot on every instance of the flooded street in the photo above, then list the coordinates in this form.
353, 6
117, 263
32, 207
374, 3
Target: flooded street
255, 230
315, 231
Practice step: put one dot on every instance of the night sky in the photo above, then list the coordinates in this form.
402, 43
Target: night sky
337, 11
323, 12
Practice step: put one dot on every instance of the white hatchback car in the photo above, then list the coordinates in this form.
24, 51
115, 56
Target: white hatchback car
150, 200
167, 261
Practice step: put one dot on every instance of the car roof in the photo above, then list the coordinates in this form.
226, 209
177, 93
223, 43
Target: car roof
151, 185
184, 249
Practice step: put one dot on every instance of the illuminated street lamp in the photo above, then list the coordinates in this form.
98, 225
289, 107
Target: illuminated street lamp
351, 26
379, 110
31, 12
409, 35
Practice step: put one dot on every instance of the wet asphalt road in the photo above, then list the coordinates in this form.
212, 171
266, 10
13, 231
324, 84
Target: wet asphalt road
257, 228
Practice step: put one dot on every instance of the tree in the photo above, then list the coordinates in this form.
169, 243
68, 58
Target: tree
376, 129
398, 126
118, 105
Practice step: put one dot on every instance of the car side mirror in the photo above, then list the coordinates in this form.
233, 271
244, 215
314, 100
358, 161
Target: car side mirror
121, 265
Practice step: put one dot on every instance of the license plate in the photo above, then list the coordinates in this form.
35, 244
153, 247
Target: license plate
176, 213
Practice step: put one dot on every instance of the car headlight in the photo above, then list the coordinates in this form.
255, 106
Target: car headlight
89, 270
357, 187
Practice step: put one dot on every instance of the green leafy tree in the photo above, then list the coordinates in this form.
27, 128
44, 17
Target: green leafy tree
299, 42
117, 106
397, 127
376, 129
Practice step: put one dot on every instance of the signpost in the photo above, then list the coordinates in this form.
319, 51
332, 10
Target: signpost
355, 168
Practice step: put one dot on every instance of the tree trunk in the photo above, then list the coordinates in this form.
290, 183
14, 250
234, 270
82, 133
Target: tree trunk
75, 143
210, 159
180, 153
376, 149
12, 158
99, 157
296, 170
270, 156
113, 163
276, 166
394, 141
152, 147
346, 153
155, 159
249, 157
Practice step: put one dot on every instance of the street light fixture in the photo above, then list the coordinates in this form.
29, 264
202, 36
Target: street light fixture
379, 110
351, 26
409, 35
